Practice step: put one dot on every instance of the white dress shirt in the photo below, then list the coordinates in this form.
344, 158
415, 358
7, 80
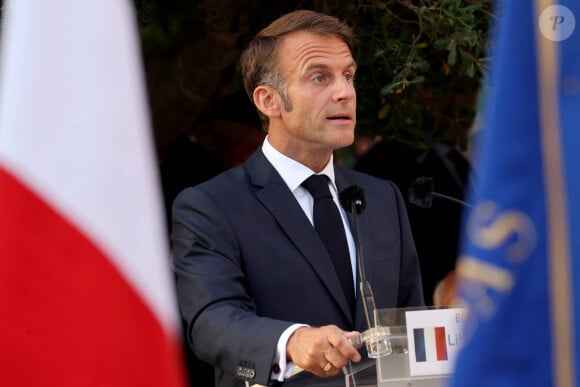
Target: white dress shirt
293, 173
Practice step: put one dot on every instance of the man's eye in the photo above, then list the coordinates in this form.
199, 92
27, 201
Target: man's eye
349, 77
319, 78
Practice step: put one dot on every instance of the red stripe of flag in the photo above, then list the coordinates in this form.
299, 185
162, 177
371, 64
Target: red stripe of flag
441, 343
68, 317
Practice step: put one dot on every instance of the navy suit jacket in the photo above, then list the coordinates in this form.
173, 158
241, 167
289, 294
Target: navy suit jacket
249, 263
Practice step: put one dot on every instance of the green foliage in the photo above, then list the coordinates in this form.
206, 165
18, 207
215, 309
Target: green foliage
420, 66
169, 25
164, 23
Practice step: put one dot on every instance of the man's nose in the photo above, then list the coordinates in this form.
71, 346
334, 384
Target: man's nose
344, 89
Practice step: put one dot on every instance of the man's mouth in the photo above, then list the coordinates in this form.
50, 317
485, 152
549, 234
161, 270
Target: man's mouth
339, 117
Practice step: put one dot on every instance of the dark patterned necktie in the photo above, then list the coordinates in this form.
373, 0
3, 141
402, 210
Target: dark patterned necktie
329, 226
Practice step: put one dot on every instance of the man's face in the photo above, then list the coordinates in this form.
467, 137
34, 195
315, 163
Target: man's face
318, 71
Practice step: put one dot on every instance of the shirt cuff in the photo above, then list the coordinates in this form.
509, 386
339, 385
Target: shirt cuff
282, 369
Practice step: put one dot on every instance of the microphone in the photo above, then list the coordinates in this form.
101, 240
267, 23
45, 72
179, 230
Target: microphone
376, 338
421, 193
352, 200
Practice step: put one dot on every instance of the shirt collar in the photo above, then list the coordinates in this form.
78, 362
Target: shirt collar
294, 173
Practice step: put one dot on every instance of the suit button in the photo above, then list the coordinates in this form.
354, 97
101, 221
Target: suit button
245, 372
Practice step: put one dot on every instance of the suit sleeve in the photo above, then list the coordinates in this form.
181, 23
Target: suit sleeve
223, 328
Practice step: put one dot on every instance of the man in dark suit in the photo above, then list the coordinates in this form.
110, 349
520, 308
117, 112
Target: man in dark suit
256, 283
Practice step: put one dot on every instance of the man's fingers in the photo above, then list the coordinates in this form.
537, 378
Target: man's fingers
341, 342
322, 351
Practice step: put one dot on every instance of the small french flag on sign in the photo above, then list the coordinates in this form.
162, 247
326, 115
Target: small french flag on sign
430, 344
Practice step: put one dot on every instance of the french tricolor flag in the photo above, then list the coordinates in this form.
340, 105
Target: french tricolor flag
86, 296
430, 344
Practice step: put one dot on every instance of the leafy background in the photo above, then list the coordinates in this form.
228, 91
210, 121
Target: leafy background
420, 62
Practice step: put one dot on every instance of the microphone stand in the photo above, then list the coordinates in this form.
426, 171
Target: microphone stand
365, 289
451, 199
421, 193
353, 201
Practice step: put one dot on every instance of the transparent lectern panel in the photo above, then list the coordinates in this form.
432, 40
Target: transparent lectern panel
391, 368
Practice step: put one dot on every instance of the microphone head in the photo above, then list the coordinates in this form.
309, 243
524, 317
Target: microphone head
352, 195
421, 192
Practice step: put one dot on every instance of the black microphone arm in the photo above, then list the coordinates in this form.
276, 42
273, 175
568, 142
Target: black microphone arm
352, 200
421, 193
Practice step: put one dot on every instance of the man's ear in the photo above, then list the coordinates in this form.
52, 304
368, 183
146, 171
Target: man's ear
267, 101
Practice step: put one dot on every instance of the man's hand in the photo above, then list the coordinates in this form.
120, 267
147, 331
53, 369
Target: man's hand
322, 351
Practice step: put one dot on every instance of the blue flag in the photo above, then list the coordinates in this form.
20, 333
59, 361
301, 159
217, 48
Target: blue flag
519, 273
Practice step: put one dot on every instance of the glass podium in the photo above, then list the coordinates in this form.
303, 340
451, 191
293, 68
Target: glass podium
410, 347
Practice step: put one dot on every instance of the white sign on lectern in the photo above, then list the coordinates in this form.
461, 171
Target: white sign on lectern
434, 338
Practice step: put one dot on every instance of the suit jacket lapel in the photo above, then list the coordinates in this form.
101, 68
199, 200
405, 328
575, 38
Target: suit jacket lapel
277, 198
